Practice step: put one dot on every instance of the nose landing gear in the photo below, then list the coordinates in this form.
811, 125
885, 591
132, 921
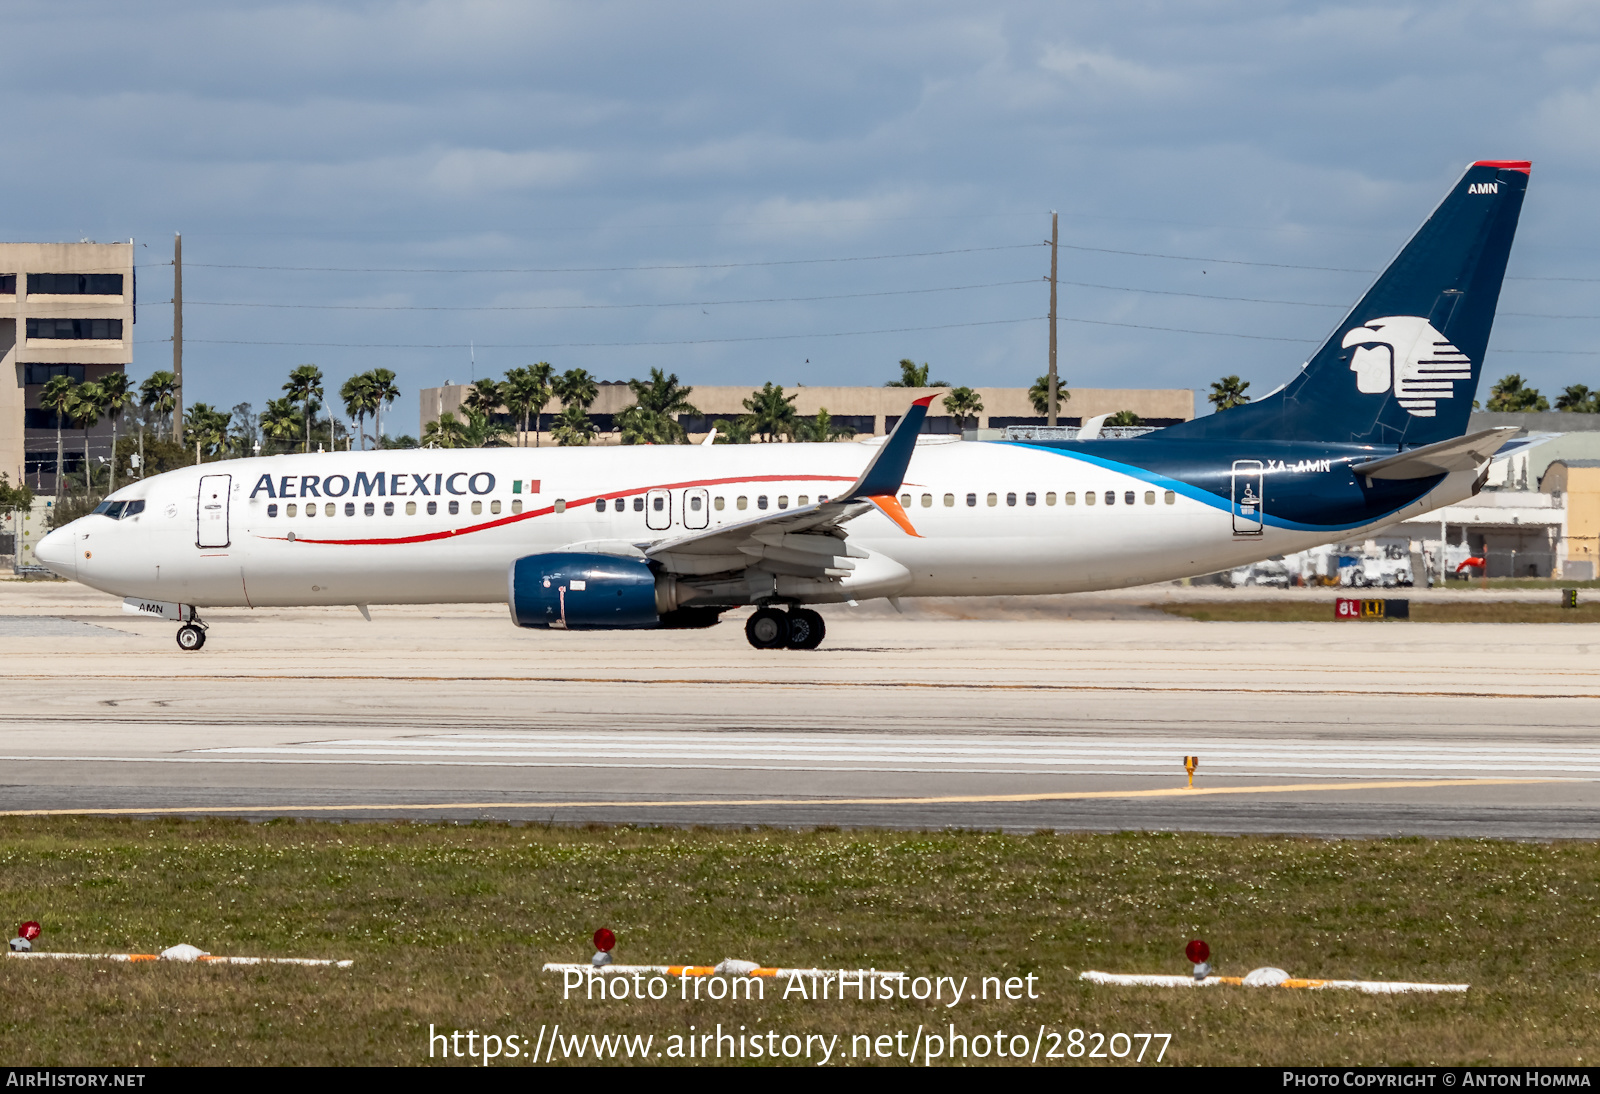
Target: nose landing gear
771, 629
191, 636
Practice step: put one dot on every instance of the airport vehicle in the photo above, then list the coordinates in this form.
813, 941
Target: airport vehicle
1369, 432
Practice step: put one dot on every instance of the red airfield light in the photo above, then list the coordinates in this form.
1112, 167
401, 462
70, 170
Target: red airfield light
30, 930
1197, 951
604, 940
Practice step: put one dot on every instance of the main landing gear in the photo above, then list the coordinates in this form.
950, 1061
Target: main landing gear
797, 629
191, 636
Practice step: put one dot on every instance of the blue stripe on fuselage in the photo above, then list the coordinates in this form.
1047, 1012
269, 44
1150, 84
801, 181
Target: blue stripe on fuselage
1305, 501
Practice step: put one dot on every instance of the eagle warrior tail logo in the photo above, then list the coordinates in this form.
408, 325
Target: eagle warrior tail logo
1406, 355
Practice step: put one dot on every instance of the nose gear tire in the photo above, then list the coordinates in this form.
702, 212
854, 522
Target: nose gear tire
190, 637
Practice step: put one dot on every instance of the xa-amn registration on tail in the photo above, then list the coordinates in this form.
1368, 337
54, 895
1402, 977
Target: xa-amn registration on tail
1371, 431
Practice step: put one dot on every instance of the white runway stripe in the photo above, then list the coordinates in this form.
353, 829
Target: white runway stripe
867, 752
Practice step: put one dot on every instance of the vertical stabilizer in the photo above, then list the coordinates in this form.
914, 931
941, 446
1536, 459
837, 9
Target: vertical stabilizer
1403, 367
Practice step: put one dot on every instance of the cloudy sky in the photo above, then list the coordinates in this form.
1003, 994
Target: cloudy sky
806, 193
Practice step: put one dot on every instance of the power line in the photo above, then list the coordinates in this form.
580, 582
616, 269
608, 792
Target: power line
617, 345
607, 307
1189, 330
612, 269
1201, 295
1225, 261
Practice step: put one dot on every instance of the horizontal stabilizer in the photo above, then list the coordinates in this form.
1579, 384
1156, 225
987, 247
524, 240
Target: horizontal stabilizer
1460, 454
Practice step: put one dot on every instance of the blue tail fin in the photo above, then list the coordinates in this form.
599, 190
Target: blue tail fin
1403, 366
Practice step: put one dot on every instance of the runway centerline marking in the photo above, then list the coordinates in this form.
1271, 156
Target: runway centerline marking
952, 799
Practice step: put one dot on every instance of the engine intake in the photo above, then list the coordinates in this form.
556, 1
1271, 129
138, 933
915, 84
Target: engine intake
583, 591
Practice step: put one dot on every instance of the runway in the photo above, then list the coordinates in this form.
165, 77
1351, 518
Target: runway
1064, 713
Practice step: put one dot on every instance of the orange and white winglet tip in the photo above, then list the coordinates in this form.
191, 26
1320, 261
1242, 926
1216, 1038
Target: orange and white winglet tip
890, 505
1370, 987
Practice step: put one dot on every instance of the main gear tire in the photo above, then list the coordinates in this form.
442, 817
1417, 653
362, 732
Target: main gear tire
767, 629
805, 629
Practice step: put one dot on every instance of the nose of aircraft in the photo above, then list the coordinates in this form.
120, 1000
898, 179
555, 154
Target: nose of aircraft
58, 551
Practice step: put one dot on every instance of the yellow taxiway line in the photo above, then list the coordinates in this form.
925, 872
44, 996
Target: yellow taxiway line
953, 799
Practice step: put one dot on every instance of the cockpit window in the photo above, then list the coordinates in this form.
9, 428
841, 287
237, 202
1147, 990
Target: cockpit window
119, 510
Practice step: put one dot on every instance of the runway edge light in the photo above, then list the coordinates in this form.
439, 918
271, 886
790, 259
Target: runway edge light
604, 941
1199, 954
1190, 763
25, 936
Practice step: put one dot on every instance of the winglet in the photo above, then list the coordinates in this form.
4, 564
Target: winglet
887, 468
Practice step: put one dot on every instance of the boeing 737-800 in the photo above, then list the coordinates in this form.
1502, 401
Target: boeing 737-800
1370, 432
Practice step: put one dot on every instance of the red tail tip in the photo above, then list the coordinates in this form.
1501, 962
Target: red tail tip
924, 401
1525, 166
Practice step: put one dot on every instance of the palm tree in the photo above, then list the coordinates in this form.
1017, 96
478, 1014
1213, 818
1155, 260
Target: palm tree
118, 393
206, 428
657, 401
963, 403
738, 431
1124, 417
1580, 399
914, 375
1039, 395
387, 391
305, 387
483, 396
575, 387
818, 429
525, 392
444, 432
280, 421
58, 396
771, 412
1228, 393
572, 426
360, 399
158, 393
1512, 394
85, 410
640, 426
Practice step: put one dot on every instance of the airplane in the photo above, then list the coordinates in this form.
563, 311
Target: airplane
1371, 431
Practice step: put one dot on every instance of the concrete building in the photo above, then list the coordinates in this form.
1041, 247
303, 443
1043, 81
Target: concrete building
65, 308
868, 410
1576, 485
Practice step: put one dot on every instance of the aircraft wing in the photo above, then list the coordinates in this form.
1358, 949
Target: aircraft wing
1457, 454
808, 541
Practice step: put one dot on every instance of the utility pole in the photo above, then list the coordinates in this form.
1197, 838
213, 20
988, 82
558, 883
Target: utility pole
1055, 237
177, 339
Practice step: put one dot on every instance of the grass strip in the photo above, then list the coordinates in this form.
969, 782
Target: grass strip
449, 925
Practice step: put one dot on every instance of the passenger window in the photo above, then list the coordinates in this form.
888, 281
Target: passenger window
694, 503
638, 505
742, 503
1031, 498
1127, 499
494, 507
388, 508
783, 501
272, 510
599, 505
905, 501
1011, 499
1050, 498
972, 499
1111, 497
1149, 497
994, 499
560, 506
433, 508
716, 503
761, 501
1088, 497
455, 507
949, 501
516, 505
927, 501
411, 508
291, 509
349, 508
658, 504
1172, 496
369, 508
477, 508
311, 509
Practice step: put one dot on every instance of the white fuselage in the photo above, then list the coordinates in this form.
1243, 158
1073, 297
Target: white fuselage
379, 527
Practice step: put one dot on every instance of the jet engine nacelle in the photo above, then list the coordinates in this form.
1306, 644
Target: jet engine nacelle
584, 591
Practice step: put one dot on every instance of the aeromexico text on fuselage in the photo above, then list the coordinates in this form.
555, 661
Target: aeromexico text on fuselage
392, 484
